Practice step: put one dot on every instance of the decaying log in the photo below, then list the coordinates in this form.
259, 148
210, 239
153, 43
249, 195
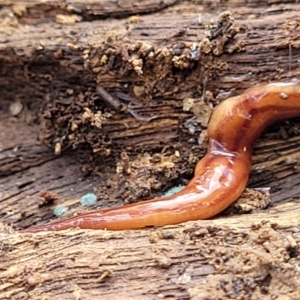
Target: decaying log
166, 64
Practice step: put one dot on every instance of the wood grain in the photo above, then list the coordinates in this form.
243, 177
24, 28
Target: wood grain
250, 256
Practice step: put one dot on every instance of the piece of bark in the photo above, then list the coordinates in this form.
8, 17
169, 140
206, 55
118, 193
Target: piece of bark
32, 11
244, 258
168, 262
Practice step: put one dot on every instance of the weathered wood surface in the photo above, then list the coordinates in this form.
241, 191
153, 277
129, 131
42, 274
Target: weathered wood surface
244, 259
251, 256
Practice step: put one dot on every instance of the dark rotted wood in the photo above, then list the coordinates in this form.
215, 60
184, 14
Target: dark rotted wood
53, 54
33, 12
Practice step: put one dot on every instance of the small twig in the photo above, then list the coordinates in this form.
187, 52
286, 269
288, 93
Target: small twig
119, 106
109, 99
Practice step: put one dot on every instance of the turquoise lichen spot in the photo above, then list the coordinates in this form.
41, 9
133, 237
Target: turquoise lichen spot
88, 199
173, 190
60, 210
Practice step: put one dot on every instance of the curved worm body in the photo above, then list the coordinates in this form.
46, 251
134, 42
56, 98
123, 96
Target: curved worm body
220, 176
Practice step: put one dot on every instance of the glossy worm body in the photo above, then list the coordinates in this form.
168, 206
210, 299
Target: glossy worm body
220, 176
